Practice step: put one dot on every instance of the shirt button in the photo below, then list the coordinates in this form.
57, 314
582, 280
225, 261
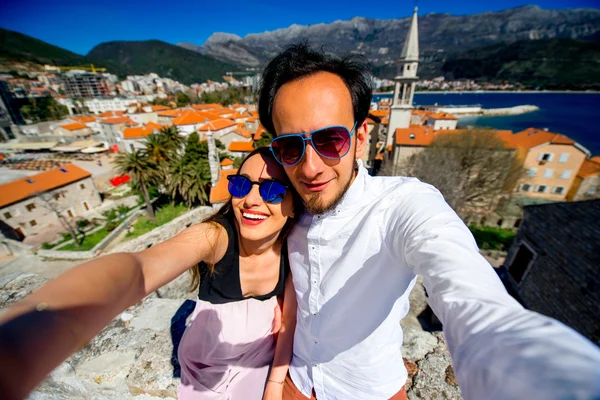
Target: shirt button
315, 281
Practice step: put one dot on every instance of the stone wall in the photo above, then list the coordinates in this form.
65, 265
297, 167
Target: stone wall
562, 281
166, 231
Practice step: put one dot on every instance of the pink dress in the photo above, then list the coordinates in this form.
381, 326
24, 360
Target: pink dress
227, 350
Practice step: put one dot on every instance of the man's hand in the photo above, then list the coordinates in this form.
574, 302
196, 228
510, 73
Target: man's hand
273, 391
276, 326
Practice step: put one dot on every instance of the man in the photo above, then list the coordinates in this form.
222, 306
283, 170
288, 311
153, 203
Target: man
355, 253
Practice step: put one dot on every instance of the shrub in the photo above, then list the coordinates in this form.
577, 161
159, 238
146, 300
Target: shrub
489, 238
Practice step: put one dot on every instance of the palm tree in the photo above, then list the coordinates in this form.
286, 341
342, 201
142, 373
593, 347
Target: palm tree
141, 170
189, 181
171, 138
156, 149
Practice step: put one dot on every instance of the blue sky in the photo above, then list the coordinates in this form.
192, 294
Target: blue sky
80, 25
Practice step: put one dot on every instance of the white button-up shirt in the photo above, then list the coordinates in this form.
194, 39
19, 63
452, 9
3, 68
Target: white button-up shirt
353, 269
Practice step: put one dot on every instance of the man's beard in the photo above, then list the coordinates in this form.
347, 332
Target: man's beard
316, 204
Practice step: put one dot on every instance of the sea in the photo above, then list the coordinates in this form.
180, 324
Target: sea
576, 115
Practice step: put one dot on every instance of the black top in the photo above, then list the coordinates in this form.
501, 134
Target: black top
224, 286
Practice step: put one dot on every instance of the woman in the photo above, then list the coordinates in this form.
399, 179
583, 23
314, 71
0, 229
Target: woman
240, 262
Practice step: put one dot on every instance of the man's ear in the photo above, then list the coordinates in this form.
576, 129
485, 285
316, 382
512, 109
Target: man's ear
362, 138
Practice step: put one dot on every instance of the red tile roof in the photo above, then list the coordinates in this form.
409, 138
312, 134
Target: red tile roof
74, 127
441, 115
190, 117
226, 162
170, 113
246, 147
220, 193
160, 108
415, 135
24, 188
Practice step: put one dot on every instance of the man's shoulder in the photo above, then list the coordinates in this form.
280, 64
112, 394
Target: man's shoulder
399, 186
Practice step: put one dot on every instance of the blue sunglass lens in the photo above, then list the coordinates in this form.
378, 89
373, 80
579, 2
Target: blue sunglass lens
239, 186
272, 192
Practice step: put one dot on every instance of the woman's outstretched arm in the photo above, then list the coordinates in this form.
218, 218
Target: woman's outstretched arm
285, 344
49, 325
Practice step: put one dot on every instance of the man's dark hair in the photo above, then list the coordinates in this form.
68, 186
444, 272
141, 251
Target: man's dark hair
299, 61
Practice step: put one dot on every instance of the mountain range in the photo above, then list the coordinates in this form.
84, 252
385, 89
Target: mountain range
534, 42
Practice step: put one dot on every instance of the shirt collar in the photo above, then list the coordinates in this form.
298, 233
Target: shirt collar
355, 192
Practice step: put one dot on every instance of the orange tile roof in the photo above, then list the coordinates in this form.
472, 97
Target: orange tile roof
441, 115
153, 125
140, 131
117, 120
254, 113
223, 111
160, 108
226, 162
217, 124
220, 193
22, 189
241, 147
243, 132
533, 137
203, 107
74, 127
380, 113
252, 119
596, 159
84, 118
190, 117
259, 132
238, 115
423, 136
385, 121
108, 114
170, 113
589, 168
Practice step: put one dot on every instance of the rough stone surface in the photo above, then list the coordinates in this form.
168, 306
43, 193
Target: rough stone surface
135, 357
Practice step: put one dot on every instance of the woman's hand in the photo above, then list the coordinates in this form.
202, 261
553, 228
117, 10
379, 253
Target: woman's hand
273, 391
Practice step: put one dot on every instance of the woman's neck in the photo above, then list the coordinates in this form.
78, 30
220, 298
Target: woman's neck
250, 248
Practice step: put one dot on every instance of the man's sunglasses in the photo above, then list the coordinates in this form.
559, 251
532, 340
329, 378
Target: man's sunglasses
271, 191
331, 142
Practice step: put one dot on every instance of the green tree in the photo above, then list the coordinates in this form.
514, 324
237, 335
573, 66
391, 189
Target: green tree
171, 138
141, 170
189, 181
194, 149
182, 99
264, 141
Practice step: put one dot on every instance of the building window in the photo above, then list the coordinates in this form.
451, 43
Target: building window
412, 136
70, 213
59, 196
521, 262
81, 186
543, 158
540, 188
32, 222
563, 158
525, 187
548, 173
531, 171
85, 206
7, 215
30, 207
591, 190
558, 190
566, 174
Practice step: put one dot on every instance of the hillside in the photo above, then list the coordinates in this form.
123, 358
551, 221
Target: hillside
164, 59
544, 64
15, 46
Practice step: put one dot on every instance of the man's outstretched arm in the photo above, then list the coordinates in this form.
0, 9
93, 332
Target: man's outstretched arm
499, 349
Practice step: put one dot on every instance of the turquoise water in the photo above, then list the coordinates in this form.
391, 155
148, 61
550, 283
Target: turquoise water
575, 115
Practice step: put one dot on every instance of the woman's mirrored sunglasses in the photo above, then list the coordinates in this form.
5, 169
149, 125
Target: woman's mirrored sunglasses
332, 142
271, 191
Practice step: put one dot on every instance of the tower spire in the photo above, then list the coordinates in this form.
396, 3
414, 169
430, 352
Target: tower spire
410, 51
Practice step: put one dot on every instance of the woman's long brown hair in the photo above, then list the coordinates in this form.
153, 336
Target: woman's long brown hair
227, 211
